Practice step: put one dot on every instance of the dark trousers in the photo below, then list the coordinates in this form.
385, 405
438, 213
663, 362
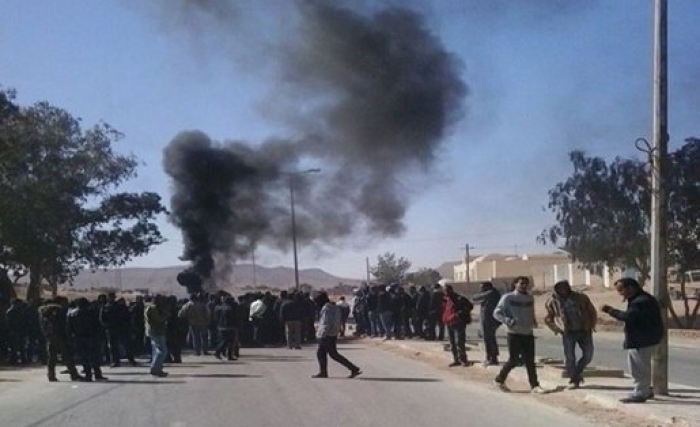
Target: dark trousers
488, 332
418, 321
520, 345
88, 351
228, 343
458, 339
54, 348
434, 322
327, 347
117, 340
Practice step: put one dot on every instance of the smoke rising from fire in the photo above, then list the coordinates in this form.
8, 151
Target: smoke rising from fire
369, 94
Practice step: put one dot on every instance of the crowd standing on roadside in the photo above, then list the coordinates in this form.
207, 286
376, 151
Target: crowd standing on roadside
107, 330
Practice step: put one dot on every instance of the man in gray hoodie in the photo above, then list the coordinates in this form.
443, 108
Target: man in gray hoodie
327, 334
516, 310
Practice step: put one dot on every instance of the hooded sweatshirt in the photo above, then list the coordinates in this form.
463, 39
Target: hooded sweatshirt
517, 312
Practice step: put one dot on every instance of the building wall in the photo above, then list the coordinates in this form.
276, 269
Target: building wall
545, 270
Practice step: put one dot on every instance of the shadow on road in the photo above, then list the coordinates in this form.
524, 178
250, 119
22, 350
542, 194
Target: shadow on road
148, 382
263, 358
400, 380
9, 380
214, 376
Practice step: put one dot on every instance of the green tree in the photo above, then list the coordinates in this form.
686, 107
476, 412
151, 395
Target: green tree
59, 209
389, 269
424, 277
602, 213
683, 218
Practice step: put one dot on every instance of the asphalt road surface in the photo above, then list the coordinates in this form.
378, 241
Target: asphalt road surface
272, 387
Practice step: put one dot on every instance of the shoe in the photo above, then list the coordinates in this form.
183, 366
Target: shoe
297, 348
319, 375
133, 363
453, 364
467, 363
101, 378
160, 374
53, 379
354, 373
206, 353
573, 385
115, 365
501, 386
217, 355
231, 358
538, 390
633, 399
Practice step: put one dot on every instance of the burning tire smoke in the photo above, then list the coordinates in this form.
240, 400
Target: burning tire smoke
370, 96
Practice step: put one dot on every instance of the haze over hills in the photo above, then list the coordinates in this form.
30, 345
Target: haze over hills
243, 275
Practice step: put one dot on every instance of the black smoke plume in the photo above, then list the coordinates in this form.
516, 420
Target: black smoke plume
370, 94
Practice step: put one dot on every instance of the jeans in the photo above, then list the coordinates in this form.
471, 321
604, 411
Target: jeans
387, 320
520, 345
159, 351
584, 340
228, 342
458, 337
199, 338
639, 362
376, 327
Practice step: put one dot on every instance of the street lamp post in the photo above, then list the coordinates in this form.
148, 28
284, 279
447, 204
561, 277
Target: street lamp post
292, 175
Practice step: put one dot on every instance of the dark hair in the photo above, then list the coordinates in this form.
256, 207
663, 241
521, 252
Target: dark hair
629, 282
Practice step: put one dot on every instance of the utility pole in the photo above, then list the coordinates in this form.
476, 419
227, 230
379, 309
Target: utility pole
658, 195
466, 263
367, 264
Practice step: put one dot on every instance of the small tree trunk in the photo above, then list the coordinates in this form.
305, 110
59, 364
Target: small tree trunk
693, 317
676, 320
34, 288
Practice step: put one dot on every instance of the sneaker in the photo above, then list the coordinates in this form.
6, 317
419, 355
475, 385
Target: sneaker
354, 373
453, 364
633, 399
159, 374
501, 386
101, 378
538, 390
53, 379
320, 375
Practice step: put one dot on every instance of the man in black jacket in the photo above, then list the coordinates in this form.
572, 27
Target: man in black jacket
83, 328
488, 298
644, 330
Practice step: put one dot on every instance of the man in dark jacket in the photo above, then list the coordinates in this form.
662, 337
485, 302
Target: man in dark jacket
84, 329
291, 314
644, 330
422, 305
115, 318
488, 298
456, 315
227, 319
53, 317
434, 319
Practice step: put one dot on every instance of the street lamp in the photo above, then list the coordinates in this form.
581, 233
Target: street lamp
292, 175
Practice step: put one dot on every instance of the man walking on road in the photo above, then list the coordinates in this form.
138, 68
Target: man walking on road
572, 315
327, 334
644, 330
516, 310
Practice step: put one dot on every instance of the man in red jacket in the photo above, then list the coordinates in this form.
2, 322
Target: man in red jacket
456, 315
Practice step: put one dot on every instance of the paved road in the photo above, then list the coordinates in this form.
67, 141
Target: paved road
683, 360
272, 387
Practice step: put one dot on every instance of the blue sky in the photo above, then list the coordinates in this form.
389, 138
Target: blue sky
543, 79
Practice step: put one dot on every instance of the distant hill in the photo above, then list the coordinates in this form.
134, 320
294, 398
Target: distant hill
243, 275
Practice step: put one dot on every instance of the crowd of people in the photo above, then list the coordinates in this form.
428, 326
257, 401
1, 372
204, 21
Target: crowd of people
109, 330
391, 313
